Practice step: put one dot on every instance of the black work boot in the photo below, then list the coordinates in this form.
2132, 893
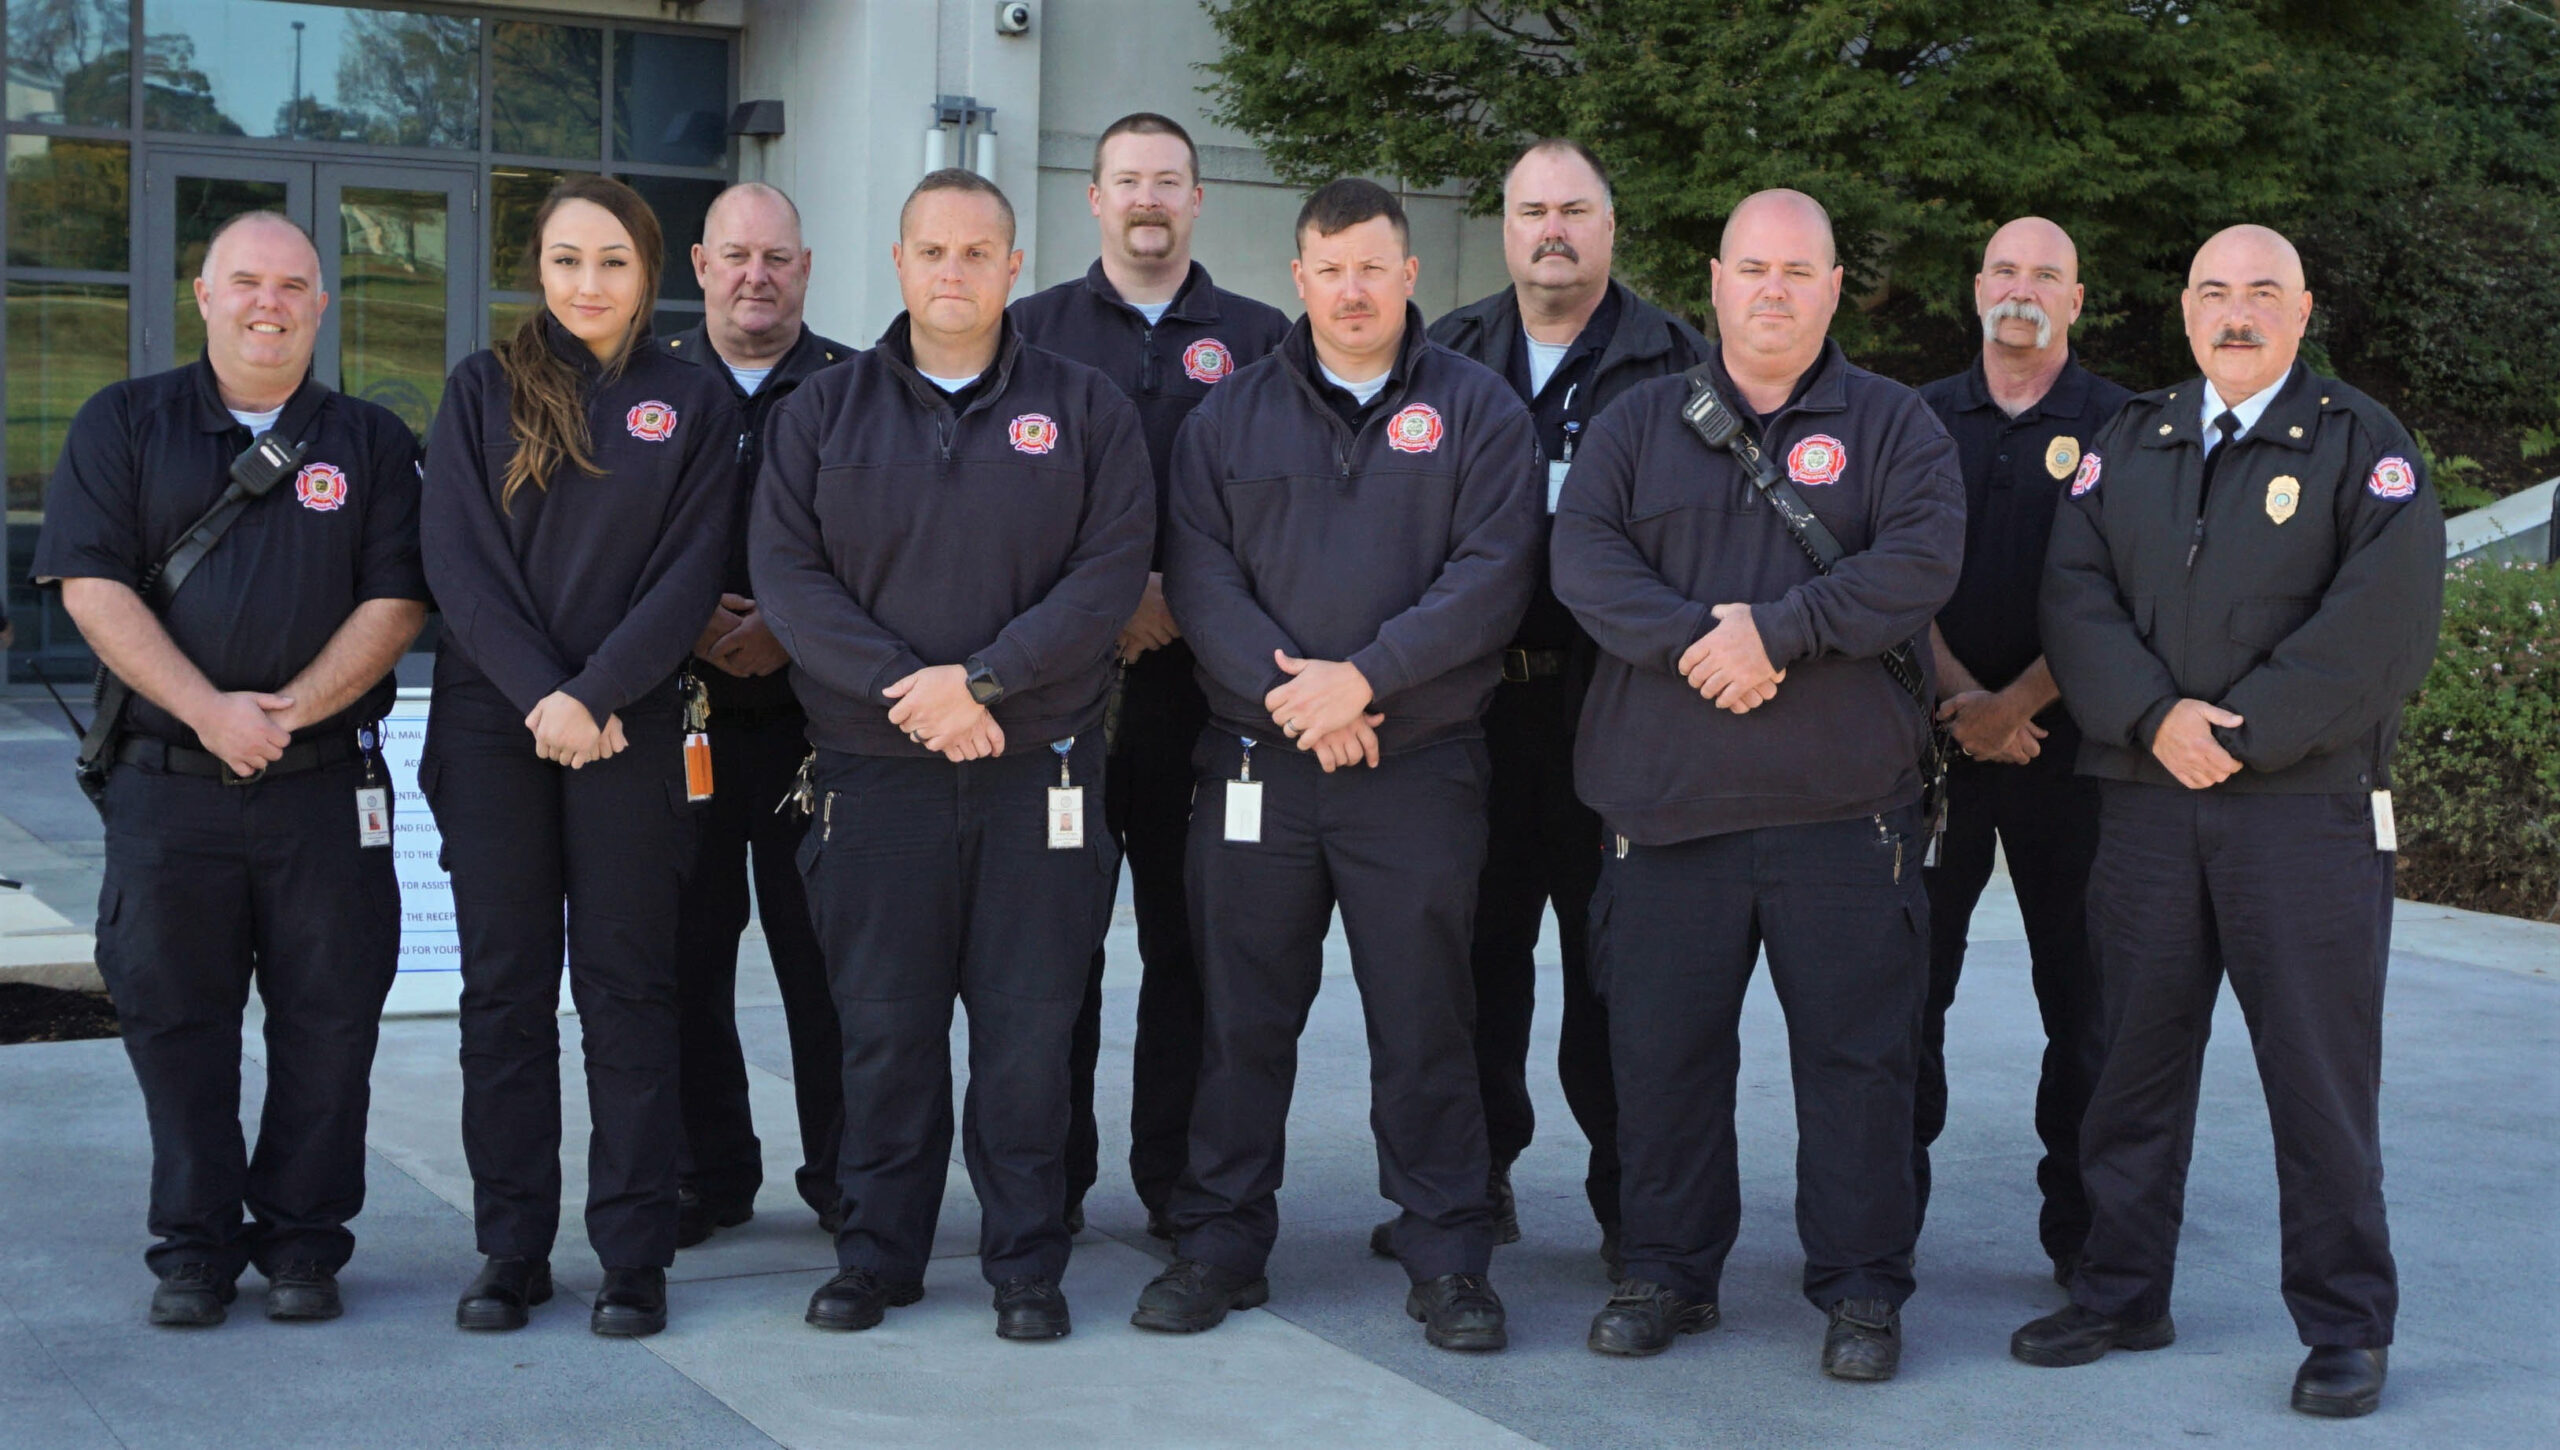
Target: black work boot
1458, 1311
191, 1296
1642, 1318
631, 1305
1031, 1308
303, 1291
2074, 1335
1864, 1341
2340, 1382
858, 1299
1193, 1296
697, 1217
501, 1293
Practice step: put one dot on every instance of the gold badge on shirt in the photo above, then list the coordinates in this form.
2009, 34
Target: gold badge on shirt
2061, 456
2284, 495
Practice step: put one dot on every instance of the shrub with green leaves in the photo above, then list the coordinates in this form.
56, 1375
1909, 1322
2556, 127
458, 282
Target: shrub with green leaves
2477, 782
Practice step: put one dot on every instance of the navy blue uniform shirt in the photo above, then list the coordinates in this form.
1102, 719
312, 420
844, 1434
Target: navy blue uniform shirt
2015, 471
1656, 529
146, 457
892, 532
1407, 546
598, 584
810, 353
1165, 368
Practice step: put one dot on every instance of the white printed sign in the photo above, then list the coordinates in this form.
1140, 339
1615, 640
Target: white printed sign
430, 980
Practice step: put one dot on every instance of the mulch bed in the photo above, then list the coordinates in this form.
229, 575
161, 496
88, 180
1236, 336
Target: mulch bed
29, 1013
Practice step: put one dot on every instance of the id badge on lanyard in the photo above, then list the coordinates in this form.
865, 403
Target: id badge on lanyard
1559, 466
373, 799
1244, 801
1066, 803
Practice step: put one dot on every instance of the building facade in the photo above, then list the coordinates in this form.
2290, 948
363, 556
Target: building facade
415, 139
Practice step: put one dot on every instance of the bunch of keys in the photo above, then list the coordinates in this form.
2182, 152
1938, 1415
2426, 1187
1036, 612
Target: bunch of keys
803, 796
697, 739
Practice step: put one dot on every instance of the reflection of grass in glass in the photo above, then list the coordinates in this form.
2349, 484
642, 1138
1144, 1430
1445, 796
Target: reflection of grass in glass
391, 301
66, 341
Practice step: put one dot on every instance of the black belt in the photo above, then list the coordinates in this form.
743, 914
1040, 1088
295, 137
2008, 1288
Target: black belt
1520, 666
143, 750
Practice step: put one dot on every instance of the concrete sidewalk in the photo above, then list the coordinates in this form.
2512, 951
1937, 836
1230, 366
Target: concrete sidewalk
2471, 1119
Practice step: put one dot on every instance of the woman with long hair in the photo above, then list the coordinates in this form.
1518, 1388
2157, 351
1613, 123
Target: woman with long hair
575, 522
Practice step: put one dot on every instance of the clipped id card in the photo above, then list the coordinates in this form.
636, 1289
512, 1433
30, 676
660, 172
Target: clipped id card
2386, 835
373, 817
1244, 811
1066, 817
1556, 470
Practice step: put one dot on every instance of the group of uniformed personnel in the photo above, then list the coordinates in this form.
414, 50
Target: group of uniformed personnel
1553, 602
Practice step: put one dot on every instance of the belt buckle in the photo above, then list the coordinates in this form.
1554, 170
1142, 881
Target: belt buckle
1521, 657
230, 778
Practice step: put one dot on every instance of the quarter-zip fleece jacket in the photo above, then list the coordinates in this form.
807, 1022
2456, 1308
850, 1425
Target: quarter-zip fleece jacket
596, 585
1407, 546
2302, 593
890, 534
1655, 529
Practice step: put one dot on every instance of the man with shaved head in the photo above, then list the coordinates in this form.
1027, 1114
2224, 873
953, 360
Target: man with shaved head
2241, 590
1758, 760
248, 826
2021, 416
753, 268
1569, 339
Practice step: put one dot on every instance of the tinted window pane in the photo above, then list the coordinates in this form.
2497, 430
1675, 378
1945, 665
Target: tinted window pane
670, 99
67, 203
546, 89
680, 204
205, 203
65, 342
668, 321
515, 194
70, 61
390, 300
506, 317
311, 72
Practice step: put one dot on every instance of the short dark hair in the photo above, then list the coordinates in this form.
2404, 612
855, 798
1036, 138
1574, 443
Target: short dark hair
954, 178
1146, 123
1338, 206
259, 214
1570, 147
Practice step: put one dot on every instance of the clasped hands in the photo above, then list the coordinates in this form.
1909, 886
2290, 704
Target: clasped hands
1991, 725
1728, 665
1324, 708
935, 709
564, 733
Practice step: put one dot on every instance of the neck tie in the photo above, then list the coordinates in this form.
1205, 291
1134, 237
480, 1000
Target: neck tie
2228, 425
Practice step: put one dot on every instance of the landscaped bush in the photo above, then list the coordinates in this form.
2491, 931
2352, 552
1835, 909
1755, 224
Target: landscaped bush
2477, 782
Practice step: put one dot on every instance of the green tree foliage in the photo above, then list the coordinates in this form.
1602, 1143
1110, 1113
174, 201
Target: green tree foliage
2478, 777
2408, 143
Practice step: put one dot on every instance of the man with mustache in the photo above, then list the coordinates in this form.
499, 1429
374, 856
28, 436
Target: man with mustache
753, 268
1355, 518
1569, 340
2022, 416
1757, 759
1149, 317
2241, 590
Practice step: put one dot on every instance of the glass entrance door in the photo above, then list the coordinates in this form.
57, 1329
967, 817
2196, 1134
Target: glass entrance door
399, 257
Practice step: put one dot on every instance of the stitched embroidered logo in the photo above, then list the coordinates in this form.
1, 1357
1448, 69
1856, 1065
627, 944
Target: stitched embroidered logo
2090, 466
1033, 433
2393, 478
1207, 360
1415, 428
651, 422
321, 487
1817, 460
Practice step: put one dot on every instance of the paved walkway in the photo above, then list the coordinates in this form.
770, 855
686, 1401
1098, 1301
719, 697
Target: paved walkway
2471, 1118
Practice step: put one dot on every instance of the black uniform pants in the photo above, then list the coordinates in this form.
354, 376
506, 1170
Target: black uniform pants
2048, 821
1542, 843
754, 762
2286, 894
611, 841
210, 887
1399, 847
930, 881
1149, 811
1678, 929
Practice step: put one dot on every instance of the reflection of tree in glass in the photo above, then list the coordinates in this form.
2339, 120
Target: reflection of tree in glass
67, 204
175, 95
57, 51
409, 80
547, 88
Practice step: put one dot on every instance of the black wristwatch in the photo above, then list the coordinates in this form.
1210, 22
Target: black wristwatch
983, 686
